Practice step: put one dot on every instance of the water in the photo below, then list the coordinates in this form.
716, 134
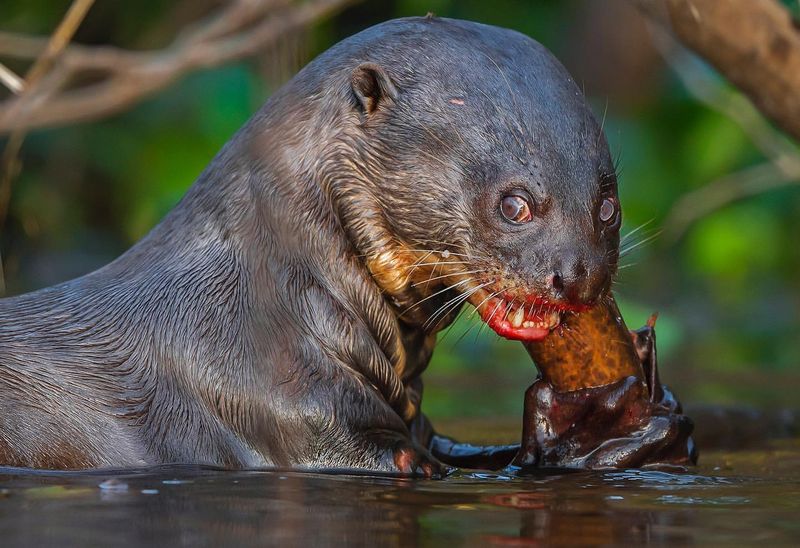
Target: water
741, 498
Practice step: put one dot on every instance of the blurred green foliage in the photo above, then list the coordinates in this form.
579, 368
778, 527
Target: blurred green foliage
728, 292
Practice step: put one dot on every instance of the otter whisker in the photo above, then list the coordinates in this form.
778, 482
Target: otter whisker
646, 235
466, 331
438, 263
602, 124
431, 241
451, 305
417, 265
494, 311
631, 247
617, 164
484, 324
509, 308
538, 311
440, 251
442, 314
440, 242
458, 302
449, 287
431, 275
464, 334
447, 331
629, 234
480, 324
483, 302
428, 253
434, 264
449, 276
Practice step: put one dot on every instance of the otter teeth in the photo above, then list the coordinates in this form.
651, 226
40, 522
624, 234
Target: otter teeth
516, 317
517, 320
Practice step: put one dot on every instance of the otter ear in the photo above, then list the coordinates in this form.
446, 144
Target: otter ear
372, 87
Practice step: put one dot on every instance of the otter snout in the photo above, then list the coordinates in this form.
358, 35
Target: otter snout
579, 282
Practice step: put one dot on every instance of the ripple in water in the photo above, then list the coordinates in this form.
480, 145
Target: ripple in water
662, 480
714, 501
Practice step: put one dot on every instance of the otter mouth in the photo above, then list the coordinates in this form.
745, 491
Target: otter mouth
529, 319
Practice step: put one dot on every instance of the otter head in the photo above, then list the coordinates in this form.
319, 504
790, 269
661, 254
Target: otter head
484, 177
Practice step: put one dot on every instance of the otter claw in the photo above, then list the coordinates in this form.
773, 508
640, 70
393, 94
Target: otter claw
414, 461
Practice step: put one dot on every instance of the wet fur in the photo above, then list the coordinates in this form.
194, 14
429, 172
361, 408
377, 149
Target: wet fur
259, 323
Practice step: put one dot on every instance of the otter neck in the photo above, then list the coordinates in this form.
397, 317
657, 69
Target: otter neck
382, 256
307, 199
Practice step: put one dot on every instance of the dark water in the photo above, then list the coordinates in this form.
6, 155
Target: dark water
739, 498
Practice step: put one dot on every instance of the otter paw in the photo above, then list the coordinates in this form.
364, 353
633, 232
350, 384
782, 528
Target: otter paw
412, 460
612, 426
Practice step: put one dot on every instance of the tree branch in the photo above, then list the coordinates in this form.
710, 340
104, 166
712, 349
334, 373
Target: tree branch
783, 165
753, 43
9, 163
242, 29
730, 188
710, 91
10, 80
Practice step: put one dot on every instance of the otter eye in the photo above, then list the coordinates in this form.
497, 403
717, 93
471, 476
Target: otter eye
515, 209
607, 210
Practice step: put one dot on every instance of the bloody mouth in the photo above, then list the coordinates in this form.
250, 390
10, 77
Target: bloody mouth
527, 320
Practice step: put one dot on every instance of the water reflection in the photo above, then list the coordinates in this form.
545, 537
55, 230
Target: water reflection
188, 505
660, 480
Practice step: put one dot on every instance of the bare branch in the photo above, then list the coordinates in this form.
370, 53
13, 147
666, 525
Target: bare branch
240, 30
9, 163
730, 188
783, 165
9, 79
753, 43
59, 40
728, 102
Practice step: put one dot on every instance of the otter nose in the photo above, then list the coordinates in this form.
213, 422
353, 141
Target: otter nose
580, 285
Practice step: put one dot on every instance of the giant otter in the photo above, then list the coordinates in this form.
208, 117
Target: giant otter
283, 312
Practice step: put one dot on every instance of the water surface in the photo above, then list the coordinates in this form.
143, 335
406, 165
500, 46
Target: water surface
739, 497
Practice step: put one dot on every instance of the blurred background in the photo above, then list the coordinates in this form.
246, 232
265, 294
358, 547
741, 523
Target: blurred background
720, 265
